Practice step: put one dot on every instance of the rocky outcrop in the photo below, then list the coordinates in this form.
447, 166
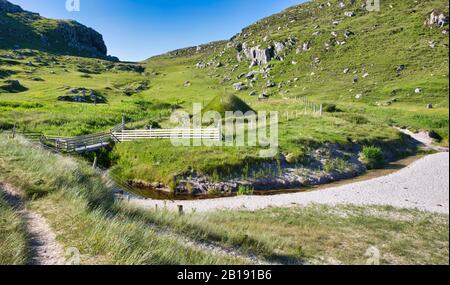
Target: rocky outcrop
257, 55
7, 7
82, 38
61, 37
83, 95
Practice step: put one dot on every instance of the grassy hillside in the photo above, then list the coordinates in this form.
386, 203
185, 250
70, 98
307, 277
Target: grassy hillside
390, 53
386, 56
23, 29
78, 205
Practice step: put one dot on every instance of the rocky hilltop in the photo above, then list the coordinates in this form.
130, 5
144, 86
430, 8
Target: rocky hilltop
23, 29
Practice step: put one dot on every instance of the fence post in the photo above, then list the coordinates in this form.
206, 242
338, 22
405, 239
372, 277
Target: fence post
94, 165
180, 210
321, 110
14, 131
123, 122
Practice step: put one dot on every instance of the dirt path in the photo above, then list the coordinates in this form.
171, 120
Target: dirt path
423, 139
44, 249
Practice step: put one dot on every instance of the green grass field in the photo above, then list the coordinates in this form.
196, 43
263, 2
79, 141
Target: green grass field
79, 207
382, 42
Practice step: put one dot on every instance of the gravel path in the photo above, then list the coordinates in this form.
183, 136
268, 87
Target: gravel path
423, 185
44, 249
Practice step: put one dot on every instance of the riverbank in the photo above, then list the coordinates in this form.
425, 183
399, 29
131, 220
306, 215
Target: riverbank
423, 185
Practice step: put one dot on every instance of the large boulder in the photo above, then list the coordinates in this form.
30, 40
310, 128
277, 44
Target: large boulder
83, 95
239, 86
12, 86
437, 18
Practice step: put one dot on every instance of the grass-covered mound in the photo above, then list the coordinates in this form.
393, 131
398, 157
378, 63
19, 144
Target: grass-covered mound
227, 103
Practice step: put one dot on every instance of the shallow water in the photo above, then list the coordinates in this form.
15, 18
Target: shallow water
389, 169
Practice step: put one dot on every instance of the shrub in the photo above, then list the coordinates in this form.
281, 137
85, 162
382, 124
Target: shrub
173, 184
330, 108
214, 192
297, 156
245, 191
373, 157
434, 135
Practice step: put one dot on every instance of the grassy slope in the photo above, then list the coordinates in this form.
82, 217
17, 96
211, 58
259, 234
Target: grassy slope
13, 242
77, 204
31, 31
398, 38
322, 234
79, 207
383, 41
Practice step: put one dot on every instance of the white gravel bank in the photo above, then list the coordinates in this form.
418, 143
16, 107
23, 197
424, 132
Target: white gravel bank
424, 185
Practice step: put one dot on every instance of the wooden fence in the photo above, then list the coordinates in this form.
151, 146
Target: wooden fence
83, 143
131, 135
118, 134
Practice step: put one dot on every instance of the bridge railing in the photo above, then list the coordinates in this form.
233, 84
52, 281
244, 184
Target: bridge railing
82, 143
132, 135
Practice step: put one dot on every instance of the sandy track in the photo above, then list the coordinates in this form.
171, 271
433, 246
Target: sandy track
44, 249
423, 185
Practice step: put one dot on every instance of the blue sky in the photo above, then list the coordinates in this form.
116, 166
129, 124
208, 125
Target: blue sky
137, 29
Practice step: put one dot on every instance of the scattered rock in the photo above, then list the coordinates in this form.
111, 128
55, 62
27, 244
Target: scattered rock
306, 46
250, 75
400, 68
270, 84
263, 96
279, 47
239, 86
350, 14
12, 86
437, 18
348, 33
83, 95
